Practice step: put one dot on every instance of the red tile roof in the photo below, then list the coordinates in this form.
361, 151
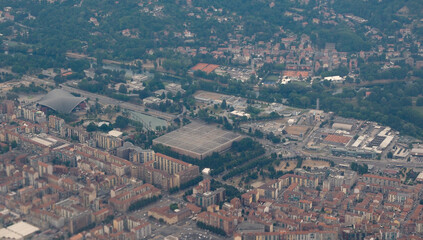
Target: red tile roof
208, 68
337, 139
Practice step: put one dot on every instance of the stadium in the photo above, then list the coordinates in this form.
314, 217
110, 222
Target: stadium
61, 101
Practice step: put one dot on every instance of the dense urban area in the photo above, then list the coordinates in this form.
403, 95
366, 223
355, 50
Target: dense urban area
197, 119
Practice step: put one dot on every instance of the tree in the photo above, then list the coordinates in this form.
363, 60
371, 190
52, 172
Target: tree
258, 133
360, 169
203, 114
121, 122
252, 110
91, 127
173, 206
390, 155
419, 101
122, 88
143, 202
11, 96
211, 228
143, 94
105, 127
223, 105
14, 144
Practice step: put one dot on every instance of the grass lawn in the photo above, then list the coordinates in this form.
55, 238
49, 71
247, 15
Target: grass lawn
418, 109
272, 78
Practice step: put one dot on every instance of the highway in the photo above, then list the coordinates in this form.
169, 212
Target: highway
384, 163
130, 106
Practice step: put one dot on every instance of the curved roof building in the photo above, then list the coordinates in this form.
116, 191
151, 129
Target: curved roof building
60, 101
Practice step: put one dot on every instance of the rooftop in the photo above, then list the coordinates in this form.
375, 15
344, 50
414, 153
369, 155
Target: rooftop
115, 133
198, 139
18, 230
337, 139
60, 101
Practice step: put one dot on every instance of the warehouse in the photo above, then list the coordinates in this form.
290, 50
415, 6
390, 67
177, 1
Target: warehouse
342, 126
198, 140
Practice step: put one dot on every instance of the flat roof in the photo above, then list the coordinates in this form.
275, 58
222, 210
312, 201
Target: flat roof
417, 150
7, 234
337, 139
43, 141
115, 133
22, 228
198, 138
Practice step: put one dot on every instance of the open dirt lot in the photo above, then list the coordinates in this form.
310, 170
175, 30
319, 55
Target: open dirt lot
296, 130
313, 163
286, 166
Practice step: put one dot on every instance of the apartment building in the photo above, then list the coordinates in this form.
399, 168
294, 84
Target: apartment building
219, 219
380, 180
106, 141
302, 181
135, 154
123, 200
165, 172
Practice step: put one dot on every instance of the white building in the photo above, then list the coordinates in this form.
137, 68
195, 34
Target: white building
20, 230
335, 79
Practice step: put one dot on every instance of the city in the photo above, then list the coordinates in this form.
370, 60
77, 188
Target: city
194, 120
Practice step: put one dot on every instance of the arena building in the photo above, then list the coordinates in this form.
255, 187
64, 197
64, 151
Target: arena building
198, 140
61, 101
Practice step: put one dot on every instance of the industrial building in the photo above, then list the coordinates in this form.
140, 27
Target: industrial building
198, 140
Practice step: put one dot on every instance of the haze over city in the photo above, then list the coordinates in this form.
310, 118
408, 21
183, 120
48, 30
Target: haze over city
197, 119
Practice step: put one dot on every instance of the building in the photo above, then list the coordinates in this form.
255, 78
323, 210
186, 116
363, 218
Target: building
342, 126
290, 235
219, 220
20, 230
210, 197
130, 228
198, 140
335, 79
8, 107
142, 231
44, 168
165, 172
168, 215
32, 115
417, 152
337, 139
134, 153
61, 101
123, 200
379, 180
74, 213
106, 141
56, 124
420, 177
288, 179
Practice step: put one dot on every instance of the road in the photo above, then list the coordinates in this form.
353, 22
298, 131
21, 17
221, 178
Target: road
130, 106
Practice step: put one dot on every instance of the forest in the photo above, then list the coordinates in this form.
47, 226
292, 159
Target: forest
49, 30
